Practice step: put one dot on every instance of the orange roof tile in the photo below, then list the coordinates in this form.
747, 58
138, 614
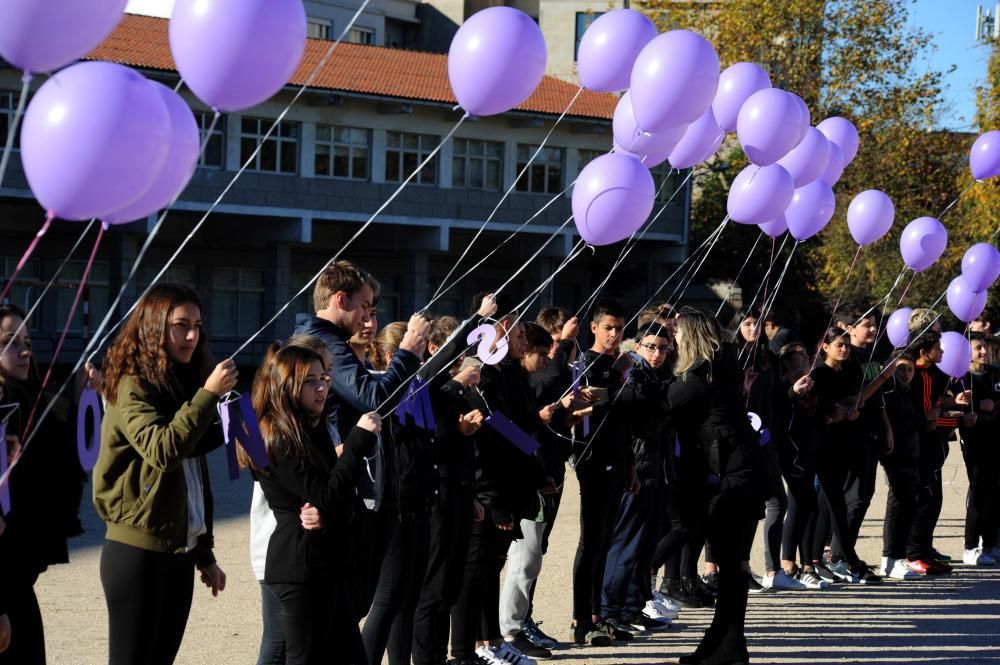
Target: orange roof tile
141, 41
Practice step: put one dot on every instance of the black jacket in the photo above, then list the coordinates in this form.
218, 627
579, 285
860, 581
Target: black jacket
607, 445
642, 402
548, 386
296, 555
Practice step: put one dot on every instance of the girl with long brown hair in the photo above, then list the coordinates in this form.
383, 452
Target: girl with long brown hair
306, 568
151, 482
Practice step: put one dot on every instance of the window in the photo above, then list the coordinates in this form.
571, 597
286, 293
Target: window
477, 164
280, 152
584, 157
27, 287
318, 28
361, 36
583, 21
214, 155
342, 152
8, 106
94, 302
237, 301
404, 152
666, 180
544, 176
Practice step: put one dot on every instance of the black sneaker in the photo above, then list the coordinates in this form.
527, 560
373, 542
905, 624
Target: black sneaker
824, 573
694, 595
524, 645
711, 580
589, 634
864, 574
642, 622
704, 589
619, 631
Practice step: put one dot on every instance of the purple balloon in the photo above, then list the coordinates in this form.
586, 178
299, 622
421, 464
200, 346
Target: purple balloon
649, 161
810, 210
843, 133
629, 136
736, 84
984, 157
963, 302
609, 48
182, 158
981, 266
42, 36
870, 215
612, 198
806, 116
809, 159
922, 243
95, 136
235, 54
674, 80
775, 227
702, 138
759, 194
834, 166
956, 354
898, 327
769, 126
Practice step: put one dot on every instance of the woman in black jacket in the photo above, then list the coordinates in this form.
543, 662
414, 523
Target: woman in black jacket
719, 457
308, 570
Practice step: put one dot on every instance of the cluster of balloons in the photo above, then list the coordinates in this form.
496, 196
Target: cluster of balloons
99, 139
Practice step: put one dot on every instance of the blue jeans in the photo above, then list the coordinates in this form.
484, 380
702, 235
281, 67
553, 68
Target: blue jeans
626, 571
272, 640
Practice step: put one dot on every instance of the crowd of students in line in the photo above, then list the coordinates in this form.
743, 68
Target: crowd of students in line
403, 474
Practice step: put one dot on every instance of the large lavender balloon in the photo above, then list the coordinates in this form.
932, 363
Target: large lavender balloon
609, 48
770, 124
963, 302
956, 354
674, 80
870, 215
736, 84
981, 266
612, 198
922, 243
759, 194
984, 157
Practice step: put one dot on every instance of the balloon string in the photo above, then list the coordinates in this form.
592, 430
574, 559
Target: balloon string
760, 322
15, 123
58, 349
49, 216
55, 276
534, 256
770, 268
357, 234
507, 193
836, 306
692, 274
957, 198
777, 287
732, 287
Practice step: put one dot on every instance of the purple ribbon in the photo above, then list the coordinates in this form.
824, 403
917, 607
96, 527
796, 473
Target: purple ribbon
508, 430
416, 403
240, 422
5, 490
88, 449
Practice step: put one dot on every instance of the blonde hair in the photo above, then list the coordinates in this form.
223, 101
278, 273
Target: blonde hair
700, 338
386, 342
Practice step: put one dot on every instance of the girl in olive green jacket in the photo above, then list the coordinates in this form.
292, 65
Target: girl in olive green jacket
151, 481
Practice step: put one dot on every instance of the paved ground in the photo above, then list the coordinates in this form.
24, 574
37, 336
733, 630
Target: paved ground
949, 621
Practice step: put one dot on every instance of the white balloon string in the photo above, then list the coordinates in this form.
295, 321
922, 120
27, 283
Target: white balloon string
522, 307
354, 237
55, 276
23, 261
836, 306
957, 199
732, 287
694, 273
14, 124
534, 256
767, 273
774, 297
507, 193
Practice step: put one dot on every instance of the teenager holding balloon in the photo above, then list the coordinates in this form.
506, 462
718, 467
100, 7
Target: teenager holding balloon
151, 483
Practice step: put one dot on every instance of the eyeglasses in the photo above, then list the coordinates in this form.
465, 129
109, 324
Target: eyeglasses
657, 348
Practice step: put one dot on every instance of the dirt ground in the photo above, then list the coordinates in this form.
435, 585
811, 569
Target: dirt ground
948, 620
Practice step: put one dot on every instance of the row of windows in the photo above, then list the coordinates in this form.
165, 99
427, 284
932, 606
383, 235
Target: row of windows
322, 29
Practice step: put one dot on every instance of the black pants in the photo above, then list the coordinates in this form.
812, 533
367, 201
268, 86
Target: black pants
859, 487
27, 644
687, 507
725, 535
933, 452
981, 514
775, 508
450, 527
321, 626
600, 493
272, 640
832, 471
476, 615
370, 536
900, 510
149, 597
390, 620
799, 473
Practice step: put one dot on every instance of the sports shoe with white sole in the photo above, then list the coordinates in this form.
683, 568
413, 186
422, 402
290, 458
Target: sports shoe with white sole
781, 581
666, 602
532, 631
654, 611
813, 581
901, 571
977, 557
841, 571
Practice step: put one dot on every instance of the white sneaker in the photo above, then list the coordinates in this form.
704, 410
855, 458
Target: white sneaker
666, 602
653, 610
900, 571
977, 557
781, 581
842, 571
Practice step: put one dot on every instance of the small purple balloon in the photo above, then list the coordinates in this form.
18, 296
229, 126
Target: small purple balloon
736, 84
870, 215
809, 159
759, 194
981, 266
629, 136
700, 141
770, 124
956, 354
843, 133
810, 210
834, 166
673, 80
609, 48
650, 161
612, 198
775, 227
95, 137
897, 328
182, 158
922, 243
963, 302
38, 36
984, 157
235, 54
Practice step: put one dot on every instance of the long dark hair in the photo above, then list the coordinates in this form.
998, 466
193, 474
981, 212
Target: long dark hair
139, 350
